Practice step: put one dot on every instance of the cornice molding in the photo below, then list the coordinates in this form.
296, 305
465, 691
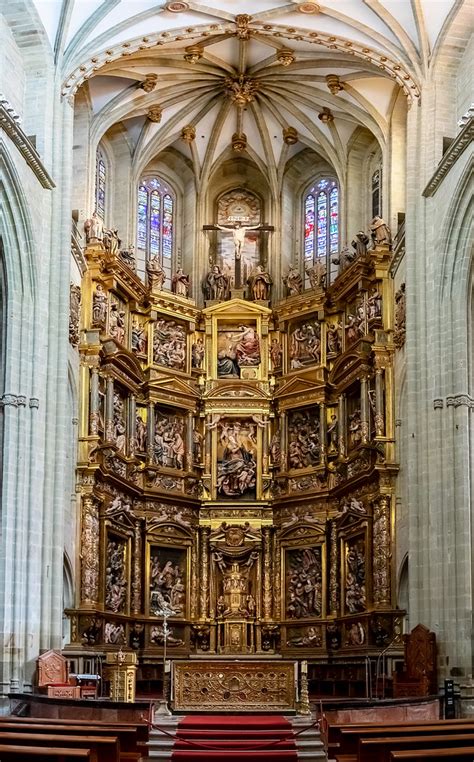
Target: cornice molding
25, 147
459, 144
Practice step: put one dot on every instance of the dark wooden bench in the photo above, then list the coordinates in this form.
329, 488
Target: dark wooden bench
10, 753
349, 736
127, 736
105, 748
379, 749
433, 755
140, 728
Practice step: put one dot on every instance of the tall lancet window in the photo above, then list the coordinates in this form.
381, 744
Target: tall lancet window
100, 184
377, 193
321, 222
156, 222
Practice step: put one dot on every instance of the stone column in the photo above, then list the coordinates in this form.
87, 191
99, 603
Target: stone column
322, 433
364, 411
94, 402
333, 571
379, 404
204, 600
382, 553
90, 557
342, 427
267, 573
137, 569
132, 424
109, 410
150, 432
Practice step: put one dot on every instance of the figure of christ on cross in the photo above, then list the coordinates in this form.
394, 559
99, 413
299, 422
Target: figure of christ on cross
238, 235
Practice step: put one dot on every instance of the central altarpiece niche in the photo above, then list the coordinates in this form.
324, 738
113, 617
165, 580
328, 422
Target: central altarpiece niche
236, 461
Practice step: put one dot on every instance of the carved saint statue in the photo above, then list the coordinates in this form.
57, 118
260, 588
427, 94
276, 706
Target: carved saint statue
197, 354
93, 228
317, 274
344, 258
180, 283
275, 354
216, 285
156, 275
380, 231
99, 305
111, 241
293, 281
260, 284
360, 243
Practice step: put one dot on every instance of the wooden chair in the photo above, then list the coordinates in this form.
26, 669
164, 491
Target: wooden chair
420, 676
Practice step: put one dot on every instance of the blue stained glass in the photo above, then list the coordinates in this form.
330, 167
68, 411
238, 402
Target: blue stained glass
167, 226
100, 183
309, 228
142, 217
155, 220
334, 220
322, 223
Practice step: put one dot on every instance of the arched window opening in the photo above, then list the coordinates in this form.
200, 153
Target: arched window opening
321, 223
377, 193
100, 184
156, 223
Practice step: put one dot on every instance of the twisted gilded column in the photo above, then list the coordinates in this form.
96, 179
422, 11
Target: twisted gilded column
342, 431
333, 571
204, 598
283, 442
277, 580
379, 404
150, 432
265, 458
109, 410
382, 553
189, 441
132, 424
90, 557
322, 433
364, 411
194, 578
137, 569
94, 415
267, 573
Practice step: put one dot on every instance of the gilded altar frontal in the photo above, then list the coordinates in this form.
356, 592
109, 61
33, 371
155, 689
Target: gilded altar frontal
236, 454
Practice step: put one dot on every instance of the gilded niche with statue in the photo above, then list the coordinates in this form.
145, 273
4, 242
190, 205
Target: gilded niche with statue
236, 460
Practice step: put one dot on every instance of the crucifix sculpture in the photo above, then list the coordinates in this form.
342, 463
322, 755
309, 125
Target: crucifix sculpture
238, 235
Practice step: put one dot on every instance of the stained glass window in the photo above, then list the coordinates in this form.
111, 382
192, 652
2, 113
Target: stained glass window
321, 221
377, 193
155, 222
100, 184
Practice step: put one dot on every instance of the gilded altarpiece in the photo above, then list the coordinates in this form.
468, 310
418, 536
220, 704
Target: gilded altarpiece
236, 468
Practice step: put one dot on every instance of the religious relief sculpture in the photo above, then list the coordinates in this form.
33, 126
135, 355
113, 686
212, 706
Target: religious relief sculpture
276, 353
157, 637
155, 273
197, 354
167, 581
355, 634
216, 285
334, 338
140, 434
117, 321
93, 228
317, 274
293, 281
344, 258
275, 449
355, 594
311, 637
260, 283
400, 317
74, 313
238, 235
304, 583
114, 634
119, 425
116, 577
237, 348
380, 232
303, 438
169, 344
168, 444
99, 306
355, 428
236, 459
305, 344
139, 337
360, 243
128, 257
332, 433
180, 283
374, 306
111, 241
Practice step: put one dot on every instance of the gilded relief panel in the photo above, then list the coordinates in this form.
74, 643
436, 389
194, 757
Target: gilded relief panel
237, 458
238, 351
304, 583
167, 585
169, 344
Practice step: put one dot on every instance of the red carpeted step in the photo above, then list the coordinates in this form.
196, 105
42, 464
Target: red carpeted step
234, 722
242, 734
223, 756
233, 744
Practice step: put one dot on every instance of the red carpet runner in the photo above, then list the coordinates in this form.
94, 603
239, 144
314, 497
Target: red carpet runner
234, 737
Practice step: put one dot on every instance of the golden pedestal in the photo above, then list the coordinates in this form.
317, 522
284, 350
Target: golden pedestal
121, 672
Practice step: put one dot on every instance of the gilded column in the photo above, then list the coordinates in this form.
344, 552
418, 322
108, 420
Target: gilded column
277, 579
150, 432
194, 577
382, 553
90, 557
284, 441
364, 411
109, 410
342, 433
137, 569
132, 424
204, 601
207, 454
267, 573
379, 404
333, 575
94, 415
322, 433
189, 442
265, 458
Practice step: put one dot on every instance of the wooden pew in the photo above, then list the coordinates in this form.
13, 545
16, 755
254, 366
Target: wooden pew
127, 736
10, 753
106, 748
350, 736
335, 731
379, 749
141, 728
433, 755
